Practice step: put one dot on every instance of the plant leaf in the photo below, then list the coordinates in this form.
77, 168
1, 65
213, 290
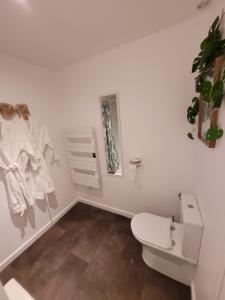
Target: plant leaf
198, 83
206, 90
190, 136
193, 111
214, 133
215, 25
204, 43
195, 64
195, 99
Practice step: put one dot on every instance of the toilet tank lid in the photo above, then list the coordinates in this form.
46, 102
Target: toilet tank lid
152, 229
190, 211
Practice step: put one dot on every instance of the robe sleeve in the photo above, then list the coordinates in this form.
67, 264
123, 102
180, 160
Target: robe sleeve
47, 144
30, 150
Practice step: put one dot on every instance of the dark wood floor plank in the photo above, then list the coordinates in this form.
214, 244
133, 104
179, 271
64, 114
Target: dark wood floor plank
60, 250
63, 283
90, 254
127, 283
133, 253
158, 286
105, 263
92, 233
86, 236
184, 292
7, 274
29, 269
37, 277
36, 250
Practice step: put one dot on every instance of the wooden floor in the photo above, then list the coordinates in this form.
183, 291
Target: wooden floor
90, 254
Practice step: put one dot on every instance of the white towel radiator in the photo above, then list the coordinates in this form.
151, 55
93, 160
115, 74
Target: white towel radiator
81, 147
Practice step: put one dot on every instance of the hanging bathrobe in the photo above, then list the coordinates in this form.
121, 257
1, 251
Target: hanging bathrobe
39, 179
15, 145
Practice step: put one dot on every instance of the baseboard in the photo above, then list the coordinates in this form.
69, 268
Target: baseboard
23, 247
107, 207
193, 294
64, 211
30, 241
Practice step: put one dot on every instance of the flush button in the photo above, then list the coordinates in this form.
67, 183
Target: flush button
190, 206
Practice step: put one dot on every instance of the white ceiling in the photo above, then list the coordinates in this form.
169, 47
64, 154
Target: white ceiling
55, 33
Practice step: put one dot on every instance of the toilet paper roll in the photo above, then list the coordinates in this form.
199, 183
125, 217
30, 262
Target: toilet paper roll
132, 172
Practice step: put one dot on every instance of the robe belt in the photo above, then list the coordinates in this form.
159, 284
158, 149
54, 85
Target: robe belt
21, 182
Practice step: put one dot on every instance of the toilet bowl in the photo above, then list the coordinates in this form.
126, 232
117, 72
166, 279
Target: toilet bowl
169, 247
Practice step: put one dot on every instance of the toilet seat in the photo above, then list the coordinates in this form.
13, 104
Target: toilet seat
152, 229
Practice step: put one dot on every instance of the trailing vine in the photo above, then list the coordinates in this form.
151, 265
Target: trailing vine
211, 47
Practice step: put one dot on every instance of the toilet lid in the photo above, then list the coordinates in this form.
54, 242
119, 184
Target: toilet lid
152, 229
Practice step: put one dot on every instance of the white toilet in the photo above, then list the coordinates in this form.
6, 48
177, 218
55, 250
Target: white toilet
169, 247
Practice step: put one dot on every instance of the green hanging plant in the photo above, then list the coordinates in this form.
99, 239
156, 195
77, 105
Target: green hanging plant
211, 47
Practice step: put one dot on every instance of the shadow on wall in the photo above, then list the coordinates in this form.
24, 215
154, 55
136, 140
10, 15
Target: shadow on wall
41, 204
21, 222
52, 201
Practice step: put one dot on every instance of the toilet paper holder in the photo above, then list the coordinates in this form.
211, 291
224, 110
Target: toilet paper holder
135, 161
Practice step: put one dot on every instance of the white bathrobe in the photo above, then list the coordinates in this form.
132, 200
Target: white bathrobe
39, 179
15, 149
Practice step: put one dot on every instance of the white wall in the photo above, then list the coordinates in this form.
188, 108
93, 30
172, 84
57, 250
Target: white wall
155, 85
21, 82
210, 188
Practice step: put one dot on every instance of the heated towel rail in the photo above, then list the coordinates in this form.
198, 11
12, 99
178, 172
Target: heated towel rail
81, 148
